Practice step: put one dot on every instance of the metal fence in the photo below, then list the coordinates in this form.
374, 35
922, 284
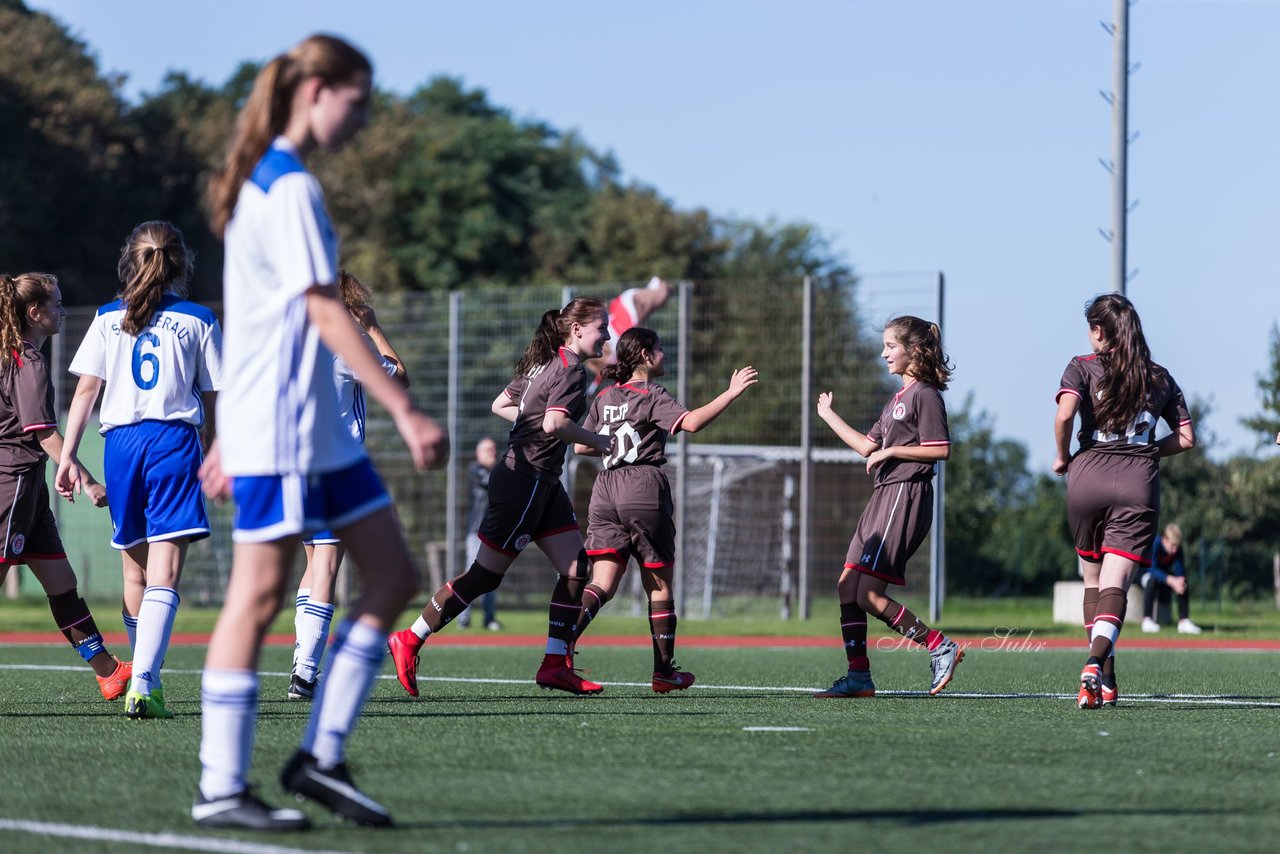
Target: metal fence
767, 496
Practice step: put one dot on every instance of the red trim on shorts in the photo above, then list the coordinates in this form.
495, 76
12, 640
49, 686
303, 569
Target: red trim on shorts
598, 552
497, 548
892, 579
659, 565
1141, 561
19, 560
1093, 557
554, 531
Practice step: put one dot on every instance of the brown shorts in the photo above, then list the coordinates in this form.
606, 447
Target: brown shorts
630, 513
27, 523
1113, 503
522, 509
894, 524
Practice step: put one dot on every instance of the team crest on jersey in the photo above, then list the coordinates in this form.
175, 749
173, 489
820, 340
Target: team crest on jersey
17, 544
522, 541
899, 411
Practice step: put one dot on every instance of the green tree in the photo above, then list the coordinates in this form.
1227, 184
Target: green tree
1267, 422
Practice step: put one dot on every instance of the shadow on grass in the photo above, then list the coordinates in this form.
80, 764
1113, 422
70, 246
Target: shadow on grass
908, 818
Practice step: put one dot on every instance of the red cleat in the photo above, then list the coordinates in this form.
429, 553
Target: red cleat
676, 680
1090, 696
1110, 694
403, 646
557, 674
114, 686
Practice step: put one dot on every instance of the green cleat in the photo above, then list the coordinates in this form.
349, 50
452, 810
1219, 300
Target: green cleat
138, 705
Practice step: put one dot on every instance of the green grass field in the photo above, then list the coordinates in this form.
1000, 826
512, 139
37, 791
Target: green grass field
487, 762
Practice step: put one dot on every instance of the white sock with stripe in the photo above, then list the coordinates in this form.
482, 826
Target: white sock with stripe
130, 629
358, 654
311, 622
228, 710
155, 624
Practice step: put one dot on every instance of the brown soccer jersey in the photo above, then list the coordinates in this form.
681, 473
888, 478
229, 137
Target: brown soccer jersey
640, 416
559, 385
1083, 378
916, 415
26, 407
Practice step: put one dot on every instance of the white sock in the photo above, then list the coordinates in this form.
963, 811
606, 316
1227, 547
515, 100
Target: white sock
419, 628
312, 625
299, 603
155, 624
555, 646
358, 654
228, 709
131, 629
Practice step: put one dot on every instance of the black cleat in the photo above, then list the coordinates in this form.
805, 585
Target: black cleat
333, 789
245, 810
301, 689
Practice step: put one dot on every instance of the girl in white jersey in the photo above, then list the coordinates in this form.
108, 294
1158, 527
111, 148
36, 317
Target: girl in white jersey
313, 605
283, 452
161, 360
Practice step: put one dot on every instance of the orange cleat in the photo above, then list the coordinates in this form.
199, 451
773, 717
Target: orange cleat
1090, 696
676, 680
114, 686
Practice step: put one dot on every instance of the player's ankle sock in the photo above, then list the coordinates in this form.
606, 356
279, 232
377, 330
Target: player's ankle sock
130, 629
853, 630
1106, 625
358, 653
452, 599
312, 626
593, 599
662, 626
71, 613
155, 624
562, 613
228, 708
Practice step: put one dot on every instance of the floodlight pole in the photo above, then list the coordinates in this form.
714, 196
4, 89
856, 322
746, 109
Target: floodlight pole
1120, 146
453, 425
806, 448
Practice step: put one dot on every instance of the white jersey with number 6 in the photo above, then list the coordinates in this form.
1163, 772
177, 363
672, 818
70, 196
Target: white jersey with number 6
158, 374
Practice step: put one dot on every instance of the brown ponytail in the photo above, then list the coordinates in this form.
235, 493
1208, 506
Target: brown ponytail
17, 294
153, 260
631, 347
553, 331
353, 292
266, 112
1127, 371
923, 342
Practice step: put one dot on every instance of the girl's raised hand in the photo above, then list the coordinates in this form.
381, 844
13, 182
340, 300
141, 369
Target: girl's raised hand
742, 379
824, 404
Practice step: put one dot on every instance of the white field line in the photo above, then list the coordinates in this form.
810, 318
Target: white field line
155, 840
1213, 699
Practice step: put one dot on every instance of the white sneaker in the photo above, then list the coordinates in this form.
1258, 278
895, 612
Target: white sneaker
1150, 625
1186, 627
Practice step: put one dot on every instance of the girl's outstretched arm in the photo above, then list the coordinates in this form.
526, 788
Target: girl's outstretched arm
860, 442
68, 481
742, 379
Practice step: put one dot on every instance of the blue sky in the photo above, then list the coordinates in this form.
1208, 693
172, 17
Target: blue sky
918, 135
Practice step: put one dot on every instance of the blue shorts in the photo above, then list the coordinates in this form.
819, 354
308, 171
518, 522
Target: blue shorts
273, 507
323, 537
152, 474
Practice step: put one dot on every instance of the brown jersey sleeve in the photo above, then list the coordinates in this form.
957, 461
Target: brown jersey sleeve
1074, 381
516, 388
1175, 412
33, 396
565, 390
665, 411
931, 418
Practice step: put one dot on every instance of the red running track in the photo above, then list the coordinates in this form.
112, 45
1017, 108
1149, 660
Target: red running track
991, 643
